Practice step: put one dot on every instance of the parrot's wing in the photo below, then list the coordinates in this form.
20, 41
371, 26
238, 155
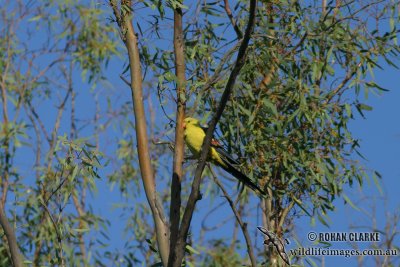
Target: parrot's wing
224, 154
220, 149
232, 166
204, 128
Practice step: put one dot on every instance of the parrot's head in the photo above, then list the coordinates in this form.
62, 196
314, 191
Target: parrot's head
190, 121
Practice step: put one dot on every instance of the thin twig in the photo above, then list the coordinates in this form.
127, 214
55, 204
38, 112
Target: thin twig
239, 220
232, 19
347, 78
293, 50
284, 214
59, 239
171, 145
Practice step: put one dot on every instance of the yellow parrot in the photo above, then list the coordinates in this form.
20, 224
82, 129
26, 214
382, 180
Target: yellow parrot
194, 136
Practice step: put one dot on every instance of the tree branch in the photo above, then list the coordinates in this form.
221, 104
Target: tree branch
195, 191
284, 214
228, 11
349, 75
5, 224
131, 43
175, 206
11, 238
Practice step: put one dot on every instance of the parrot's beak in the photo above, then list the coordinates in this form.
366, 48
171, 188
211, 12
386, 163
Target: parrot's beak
184, 125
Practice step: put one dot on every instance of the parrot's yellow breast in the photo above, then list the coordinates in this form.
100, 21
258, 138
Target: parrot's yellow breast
194, 138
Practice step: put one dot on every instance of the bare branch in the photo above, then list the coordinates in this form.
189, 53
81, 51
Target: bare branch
5, 224
284, 214
175, 206
239, 220
131, 42
195, 191
11, 239
232, 19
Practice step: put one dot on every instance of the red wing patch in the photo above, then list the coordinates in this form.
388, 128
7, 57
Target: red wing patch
214, 142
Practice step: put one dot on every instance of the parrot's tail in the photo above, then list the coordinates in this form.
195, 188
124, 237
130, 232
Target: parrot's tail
241, 177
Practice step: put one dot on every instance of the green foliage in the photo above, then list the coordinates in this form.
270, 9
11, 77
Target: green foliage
127, 172
297, 93
50, 212
94, 47
4, 259
47, 204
